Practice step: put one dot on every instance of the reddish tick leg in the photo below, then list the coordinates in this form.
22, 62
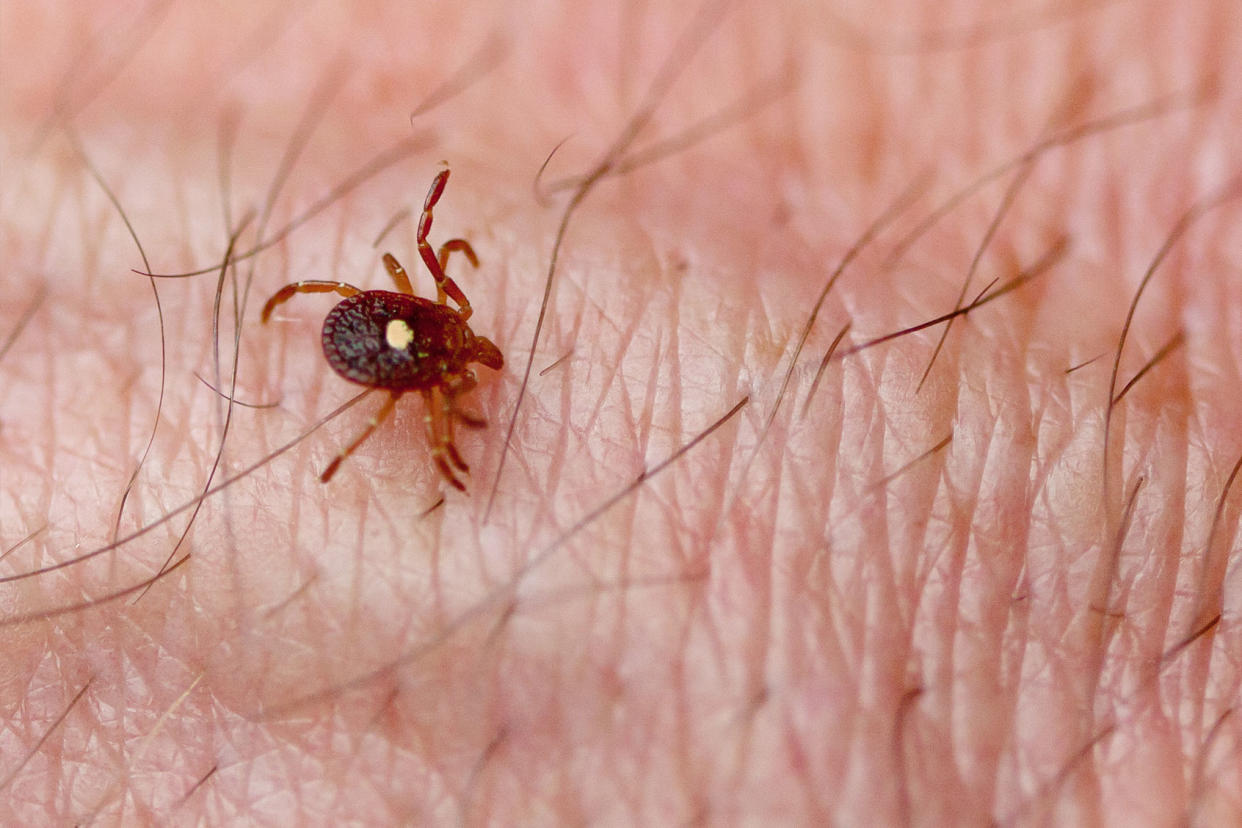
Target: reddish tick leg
373, 424
431, 419
460, 245
310, 286
468, 419
443, 282
450, 446
398, 274
464, 382
435, 190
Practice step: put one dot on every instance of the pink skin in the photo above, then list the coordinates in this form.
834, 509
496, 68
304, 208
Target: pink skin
754, 635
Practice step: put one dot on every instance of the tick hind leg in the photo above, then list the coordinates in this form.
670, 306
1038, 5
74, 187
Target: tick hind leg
442, 448
447, 413
444, 285
451, 391
467, 419
373, 424
309, 286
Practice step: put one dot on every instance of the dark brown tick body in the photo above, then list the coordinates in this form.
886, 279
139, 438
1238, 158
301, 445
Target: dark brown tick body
401, 342
357, 343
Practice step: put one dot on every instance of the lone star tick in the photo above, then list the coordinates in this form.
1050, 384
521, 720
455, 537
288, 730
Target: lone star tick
401, 342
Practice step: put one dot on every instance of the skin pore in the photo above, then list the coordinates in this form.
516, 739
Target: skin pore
986, 596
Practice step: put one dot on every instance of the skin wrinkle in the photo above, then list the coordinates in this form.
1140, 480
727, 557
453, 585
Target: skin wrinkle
999, 497
869, 594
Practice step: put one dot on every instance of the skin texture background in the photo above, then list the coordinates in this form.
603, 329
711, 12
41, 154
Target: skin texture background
970, 601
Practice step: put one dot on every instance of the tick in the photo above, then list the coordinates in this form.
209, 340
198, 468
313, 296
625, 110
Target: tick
400, 342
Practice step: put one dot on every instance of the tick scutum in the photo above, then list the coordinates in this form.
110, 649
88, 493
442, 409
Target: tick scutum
358, 345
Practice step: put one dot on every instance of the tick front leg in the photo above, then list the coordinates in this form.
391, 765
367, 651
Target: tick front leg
373, 424
443, 282
310, 286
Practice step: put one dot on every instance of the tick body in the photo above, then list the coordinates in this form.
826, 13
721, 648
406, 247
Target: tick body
396, 341
400, 342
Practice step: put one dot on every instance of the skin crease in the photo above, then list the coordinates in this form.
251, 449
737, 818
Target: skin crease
776, 630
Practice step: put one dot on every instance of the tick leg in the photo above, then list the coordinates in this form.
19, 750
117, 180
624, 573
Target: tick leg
460, 245
448, 247
460, 383
374, 423
455, 388
443, 282
431, 417
310, 286
450, 446
467, 419
397, 272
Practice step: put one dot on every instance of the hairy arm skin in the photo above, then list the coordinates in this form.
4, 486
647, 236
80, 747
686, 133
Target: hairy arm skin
777, 629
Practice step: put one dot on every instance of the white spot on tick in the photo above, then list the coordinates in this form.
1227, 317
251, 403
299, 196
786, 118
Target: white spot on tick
398, 334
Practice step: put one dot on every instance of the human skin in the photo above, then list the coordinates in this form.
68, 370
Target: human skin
817, 620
